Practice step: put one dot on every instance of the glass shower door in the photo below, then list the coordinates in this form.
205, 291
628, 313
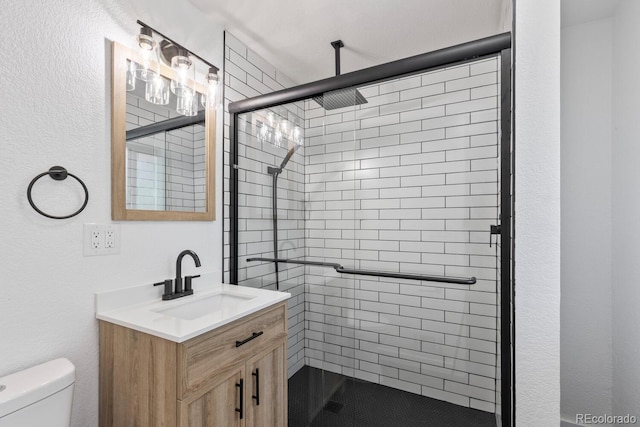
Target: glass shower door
401, 178
428, 164
270, 211
329, 296
296, 204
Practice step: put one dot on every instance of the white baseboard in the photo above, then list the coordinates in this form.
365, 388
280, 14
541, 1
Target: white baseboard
564, 423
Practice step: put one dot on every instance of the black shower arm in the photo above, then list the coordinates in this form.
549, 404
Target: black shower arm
336, 46
340, 269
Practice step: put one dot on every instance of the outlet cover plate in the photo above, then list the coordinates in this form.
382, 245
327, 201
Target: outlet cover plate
101, 239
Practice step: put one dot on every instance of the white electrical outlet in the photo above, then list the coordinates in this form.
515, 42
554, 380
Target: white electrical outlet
109, 239
101, 239
112, 239
96, 239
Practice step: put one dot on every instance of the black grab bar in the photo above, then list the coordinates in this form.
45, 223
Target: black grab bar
340, 269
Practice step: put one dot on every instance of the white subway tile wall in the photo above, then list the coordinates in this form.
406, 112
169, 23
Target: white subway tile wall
246, 75
165, 171
422, 184
407, 182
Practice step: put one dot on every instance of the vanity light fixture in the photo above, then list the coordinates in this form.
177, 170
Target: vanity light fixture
187, 101
182, 85
212, 88
147, 46
278, 131
180, 60
156, 90
184, 70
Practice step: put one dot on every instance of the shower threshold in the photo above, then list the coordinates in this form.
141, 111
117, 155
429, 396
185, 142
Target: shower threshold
320, 398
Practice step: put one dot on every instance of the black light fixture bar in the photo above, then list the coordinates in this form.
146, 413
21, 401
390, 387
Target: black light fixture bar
177, 45
340, 269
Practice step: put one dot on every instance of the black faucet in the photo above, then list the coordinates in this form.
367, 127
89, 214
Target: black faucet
178, 291
178, 281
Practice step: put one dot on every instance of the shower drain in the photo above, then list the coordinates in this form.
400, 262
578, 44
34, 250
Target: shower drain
334, 407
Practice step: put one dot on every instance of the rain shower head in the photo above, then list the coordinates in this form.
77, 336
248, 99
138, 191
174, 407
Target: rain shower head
340, 98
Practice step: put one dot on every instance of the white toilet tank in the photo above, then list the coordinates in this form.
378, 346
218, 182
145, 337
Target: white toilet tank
38, 396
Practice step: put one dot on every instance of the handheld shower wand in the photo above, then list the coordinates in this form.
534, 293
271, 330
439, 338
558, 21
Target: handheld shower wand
274, 217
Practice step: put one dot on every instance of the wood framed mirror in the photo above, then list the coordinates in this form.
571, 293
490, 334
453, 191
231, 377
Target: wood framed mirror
162, 162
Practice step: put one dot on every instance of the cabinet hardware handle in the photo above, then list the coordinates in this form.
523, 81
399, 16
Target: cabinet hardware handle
252, 337
257, 396
241, 386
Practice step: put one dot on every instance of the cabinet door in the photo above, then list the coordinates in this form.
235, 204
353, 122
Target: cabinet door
267, 391
219, 404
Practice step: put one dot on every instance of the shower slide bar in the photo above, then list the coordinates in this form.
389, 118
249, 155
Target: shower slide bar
340, 269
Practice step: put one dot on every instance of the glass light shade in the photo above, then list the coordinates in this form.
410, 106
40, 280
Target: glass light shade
267, 129
285, 128
282, 133
184, 71
265, 133
271, 119
187, 101
212, 99
277, 138
148, 54
157, 89
145, 39
296, 136
131, 76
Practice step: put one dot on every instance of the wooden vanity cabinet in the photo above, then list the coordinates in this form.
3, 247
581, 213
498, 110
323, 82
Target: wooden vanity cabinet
215, 405
233, 376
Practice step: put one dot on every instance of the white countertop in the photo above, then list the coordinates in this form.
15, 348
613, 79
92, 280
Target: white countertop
137, 308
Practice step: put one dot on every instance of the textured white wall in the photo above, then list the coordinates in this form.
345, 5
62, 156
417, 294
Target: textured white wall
506, 15
54, 110
586, 342
537, 212
626, 209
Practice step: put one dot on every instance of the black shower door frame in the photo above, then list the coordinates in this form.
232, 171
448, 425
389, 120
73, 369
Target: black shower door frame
498, 45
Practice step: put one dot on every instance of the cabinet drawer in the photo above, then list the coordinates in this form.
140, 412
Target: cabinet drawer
200, 358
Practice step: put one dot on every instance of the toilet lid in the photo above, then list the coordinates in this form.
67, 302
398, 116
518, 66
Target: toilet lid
33, 384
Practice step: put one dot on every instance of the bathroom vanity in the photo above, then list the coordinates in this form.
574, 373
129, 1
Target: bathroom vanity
224, 368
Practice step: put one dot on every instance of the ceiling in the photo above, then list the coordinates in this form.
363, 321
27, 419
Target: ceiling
580, 11
295, 35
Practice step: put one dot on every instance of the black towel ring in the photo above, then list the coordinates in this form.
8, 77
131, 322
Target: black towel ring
59, 174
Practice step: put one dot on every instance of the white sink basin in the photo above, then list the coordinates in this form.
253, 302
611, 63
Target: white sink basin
212, 305
205, 306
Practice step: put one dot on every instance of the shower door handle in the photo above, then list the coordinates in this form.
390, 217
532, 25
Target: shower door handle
494, 229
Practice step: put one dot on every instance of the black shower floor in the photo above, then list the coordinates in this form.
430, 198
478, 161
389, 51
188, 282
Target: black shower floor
323, 399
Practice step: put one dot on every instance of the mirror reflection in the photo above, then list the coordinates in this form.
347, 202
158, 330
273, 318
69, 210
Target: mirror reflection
165, 148
163, 140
